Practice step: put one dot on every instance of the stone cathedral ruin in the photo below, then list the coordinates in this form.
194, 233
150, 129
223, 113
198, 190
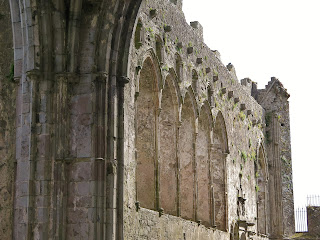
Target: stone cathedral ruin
118, 122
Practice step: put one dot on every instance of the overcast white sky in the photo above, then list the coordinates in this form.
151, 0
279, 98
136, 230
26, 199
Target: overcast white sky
280, 38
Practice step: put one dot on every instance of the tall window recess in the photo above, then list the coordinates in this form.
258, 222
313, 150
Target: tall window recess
202, 169
186, 156
218, 158
146, 134
168, 166
261, 192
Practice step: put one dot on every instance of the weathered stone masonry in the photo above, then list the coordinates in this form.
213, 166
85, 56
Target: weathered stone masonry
129, 127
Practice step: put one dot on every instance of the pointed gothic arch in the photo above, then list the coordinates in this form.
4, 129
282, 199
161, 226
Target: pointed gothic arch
168, 165
202, 167
146, 135
186, 157
261, 177
218, 159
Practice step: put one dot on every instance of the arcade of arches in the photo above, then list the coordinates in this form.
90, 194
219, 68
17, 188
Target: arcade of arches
180, 160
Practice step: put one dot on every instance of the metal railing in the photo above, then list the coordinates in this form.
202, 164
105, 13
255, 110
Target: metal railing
313, 200
301, 219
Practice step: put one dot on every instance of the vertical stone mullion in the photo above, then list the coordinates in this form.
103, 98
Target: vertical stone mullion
225, 156
178, 168
122, 80
195, 185
157, 159
25, 189
265, 206
111, 160
99, 137
61, 116
278, 174
60, 200
61, 151
211, 190
275, 180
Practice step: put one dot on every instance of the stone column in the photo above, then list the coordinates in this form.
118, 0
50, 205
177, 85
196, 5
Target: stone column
26, 153
61, 151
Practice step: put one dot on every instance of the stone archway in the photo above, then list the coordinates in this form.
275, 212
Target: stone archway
69, 87
261, 191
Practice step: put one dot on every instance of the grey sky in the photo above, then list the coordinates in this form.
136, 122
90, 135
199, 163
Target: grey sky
279, 38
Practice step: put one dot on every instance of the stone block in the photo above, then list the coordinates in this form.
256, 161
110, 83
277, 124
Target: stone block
83, 141
230, 94
42, 214
199, 60
22, 202
42, 187
82, 188
230, 67
81, 104
23, 171
167, 28
43, 145
78, 231
20, 215
81, 171
195, 24
153, 13
22, 189
77, 215
190, 50
85, 119
313, 217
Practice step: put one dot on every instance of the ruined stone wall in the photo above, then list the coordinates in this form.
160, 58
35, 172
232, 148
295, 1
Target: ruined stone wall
127, 127
67, 116
274, 98
167, 53
7, 122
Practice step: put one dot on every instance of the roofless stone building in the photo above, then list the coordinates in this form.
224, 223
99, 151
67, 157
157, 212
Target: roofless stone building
118, 122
